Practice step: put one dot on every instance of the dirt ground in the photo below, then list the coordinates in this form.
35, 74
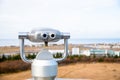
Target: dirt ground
93, 71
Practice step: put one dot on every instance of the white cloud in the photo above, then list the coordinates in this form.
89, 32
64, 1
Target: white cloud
87, 18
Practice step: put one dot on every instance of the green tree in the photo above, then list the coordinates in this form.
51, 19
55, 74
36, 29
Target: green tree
116, 56
3, 58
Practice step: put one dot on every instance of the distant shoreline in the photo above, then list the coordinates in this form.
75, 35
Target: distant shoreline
15, 42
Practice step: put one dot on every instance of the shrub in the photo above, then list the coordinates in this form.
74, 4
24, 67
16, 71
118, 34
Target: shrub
57, 55
100, 60
31, 56
116, 56
3, 58
13, 66
15, 57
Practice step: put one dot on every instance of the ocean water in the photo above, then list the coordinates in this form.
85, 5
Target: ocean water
93, 41
15, 42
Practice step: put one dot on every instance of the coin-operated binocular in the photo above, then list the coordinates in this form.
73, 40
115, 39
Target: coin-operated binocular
44, 66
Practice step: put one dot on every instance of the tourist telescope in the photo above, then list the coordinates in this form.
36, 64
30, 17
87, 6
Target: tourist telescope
44, 66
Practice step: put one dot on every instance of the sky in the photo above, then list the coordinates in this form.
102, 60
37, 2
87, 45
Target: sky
82, 18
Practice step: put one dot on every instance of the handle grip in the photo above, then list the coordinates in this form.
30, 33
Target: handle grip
22, 53
23, 57
65, 51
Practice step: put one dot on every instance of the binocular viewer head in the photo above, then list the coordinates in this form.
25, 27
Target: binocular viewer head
44, 35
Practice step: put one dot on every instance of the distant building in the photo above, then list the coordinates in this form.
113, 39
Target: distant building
75, 51
56, 51
103, 46
110, 53
116, 46
85, 52
117, 53
98, 52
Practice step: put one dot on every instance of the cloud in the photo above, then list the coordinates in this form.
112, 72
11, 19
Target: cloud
79, 17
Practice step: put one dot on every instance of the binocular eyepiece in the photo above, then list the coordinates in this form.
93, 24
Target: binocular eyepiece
45, 36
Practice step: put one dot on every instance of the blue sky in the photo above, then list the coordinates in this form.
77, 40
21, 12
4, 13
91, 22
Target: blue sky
82, 18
